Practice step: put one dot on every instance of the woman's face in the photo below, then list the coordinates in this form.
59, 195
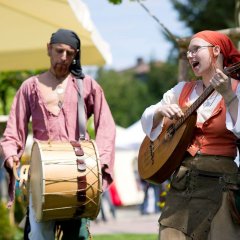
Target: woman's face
199, 55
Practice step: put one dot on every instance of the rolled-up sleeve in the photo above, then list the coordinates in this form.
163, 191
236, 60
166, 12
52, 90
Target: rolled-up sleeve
147, 122
170, 97
15, 134
229, 123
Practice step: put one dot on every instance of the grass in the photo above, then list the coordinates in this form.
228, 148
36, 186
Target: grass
19, 236
126, 236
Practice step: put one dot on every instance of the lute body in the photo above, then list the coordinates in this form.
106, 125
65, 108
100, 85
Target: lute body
158, 159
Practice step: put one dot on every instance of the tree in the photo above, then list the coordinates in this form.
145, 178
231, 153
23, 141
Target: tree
203, 14
161, 79
115, 1
6, 230
126, 95
206, 14
9, 84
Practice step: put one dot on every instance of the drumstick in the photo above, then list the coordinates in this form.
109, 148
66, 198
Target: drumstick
15, 171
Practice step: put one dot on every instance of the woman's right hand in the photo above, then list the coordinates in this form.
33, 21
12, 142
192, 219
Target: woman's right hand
171, 111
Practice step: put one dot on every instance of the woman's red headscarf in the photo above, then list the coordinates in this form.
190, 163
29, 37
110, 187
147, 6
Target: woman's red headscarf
229, 51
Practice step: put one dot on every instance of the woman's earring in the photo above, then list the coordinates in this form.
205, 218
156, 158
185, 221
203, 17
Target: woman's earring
74, 61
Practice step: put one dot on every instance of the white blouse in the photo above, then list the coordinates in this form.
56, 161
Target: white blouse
203, 112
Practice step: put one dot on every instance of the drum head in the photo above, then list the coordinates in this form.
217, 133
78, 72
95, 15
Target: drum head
37, 181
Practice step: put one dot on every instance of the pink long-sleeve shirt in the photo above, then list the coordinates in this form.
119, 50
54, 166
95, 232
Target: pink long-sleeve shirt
64, 127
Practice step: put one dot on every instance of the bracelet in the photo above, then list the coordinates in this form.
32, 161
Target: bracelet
231, 100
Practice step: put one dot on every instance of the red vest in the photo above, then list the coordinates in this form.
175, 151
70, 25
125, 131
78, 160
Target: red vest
211, 137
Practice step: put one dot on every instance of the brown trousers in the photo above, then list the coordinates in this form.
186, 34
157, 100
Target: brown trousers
222, 227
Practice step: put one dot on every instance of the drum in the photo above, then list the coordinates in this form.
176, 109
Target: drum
65, 180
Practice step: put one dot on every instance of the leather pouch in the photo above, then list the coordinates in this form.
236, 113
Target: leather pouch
180, 179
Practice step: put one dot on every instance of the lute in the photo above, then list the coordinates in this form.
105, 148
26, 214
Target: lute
158, 159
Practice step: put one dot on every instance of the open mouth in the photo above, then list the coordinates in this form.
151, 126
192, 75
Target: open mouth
195, 64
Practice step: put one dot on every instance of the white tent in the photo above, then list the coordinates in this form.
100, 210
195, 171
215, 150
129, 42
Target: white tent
131, 138
125, 169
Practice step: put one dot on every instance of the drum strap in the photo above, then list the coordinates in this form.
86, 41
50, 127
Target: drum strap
77, 148
81, 111
81, 180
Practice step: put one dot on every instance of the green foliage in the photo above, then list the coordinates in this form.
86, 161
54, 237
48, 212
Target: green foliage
206, 14
126, 95
117, 1
9, 84
161, 79
90, 128
6, 230
19, 206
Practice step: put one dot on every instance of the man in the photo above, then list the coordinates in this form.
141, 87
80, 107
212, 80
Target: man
51, 99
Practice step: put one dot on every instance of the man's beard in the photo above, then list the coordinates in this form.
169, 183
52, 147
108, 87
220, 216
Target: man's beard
61, 70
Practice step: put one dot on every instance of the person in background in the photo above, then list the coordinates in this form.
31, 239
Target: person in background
197, 204
51, 99
3, 186
106, 198
144, 207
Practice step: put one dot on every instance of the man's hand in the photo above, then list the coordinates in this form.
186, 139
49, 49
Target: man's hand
9, 162
12, 176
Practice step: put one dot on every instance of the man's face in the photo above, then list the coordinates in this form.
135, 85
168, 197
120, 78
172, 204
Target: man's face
61, 57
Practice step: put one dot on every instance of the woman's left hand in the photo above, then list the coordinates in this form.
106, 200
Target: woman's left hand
221, 83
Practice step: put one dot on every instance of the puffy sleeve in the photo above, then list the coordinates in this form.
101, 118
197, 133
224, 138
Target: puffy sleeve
230, 126
147, 122
15, 134
170, 97
105, 131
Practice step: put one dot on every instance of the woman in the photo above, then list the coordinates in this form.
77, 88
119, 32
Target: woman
197, 205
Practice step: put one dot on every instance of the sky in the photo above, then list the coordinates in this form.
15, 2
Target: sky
131, 32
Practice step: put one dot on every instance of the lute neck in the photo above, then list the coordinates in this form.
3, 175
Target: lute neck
206, 93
